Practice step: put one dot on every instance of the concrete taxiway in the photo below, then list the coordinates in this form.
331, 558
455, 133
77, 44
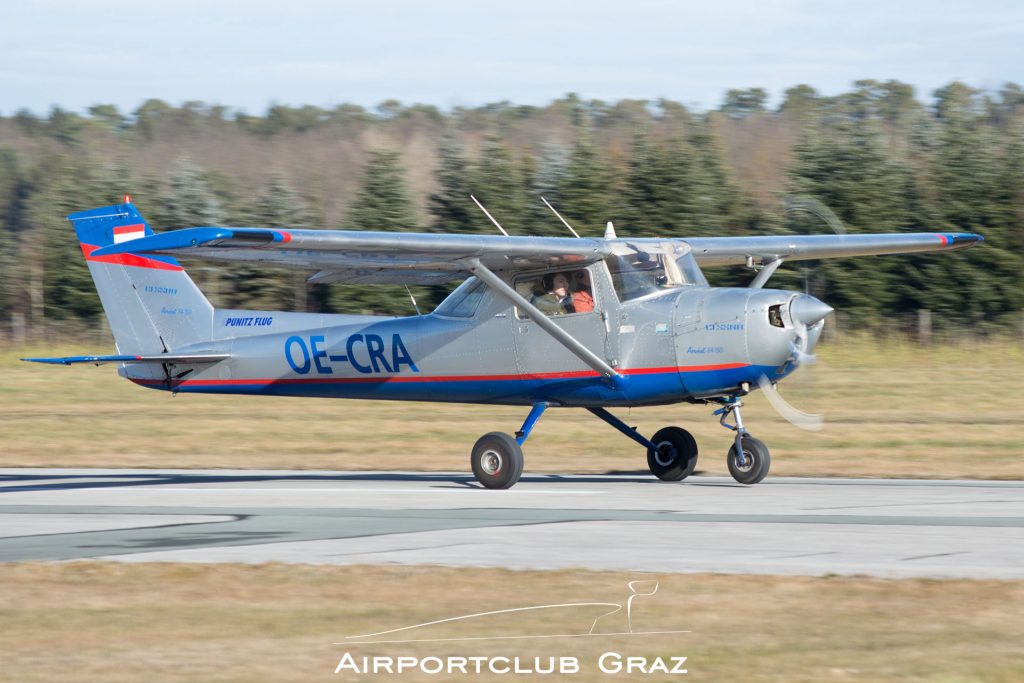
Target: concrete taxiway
891, 528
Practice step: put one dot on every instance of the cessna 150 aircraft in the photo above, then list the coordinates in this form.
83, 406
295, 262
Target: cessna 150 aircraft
538, 321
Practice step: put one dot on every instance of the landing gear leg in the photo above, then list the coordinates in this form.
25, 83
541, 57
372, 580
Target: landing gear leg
497, 458
671, 454
748, 459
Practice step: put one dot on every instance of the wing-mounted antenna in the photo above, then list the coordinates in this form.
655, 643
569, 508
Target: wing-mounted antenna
609, 231
564, 222
487, 213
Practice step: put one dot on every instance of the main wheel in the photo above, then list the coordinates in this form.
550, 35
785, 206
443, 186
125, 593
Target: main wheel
757, 461
675, 455
497, 460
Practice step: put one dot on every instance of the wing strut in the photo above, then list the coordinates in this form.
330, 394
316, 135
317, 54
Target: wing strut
766, 272
544, 322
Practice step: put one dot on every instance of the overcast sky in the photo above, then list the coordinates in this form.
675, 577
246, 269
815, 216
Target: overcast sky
468, 52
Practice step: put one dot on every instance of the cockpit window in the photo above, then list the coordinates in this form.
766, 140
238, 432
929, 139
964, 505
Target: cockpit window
640, 270
563, 292
463, 302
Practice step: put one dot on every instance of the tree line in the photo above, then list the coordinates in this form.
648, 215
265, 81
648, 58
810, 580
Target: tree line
872, 159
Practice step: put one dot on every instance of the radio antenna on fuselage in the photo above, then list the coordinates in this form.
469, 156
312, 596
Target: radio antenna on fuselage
564, 222
496, 223
413, 299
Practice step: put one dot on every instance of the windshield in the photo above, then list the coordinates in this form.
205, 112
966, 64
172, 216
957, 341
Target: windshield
640, 270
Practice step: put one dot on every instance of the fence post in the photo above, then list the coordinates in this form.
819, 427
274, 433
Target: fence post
831, 329
18, 329
924, 327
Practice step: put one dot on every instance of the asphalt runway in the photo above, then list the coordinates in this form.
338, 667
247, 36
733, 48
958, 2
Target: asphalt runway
889, 528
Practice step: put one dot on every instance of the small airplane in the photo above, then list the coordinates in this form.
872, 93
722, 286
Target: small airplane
538, 321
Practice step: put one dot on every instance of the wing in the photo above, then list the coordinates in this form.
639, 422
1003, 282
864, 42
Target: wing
713, 251
370, 257
359, 257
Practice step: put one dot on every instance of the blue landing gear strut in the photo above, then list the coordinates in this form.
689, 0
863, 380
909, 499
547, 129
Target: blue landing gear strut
622, 427
524, 433
497, 458
671, 454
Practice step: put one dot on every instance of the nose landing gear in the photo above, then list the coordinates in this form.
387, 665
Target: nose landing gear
749, 459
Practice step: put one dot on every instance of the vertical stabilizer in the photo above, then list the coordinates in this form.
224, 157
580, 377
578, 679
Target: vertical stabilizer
152, 305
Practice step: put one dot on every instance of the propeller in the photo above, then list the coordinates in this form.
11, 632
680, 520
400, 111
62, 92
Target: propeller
808, 317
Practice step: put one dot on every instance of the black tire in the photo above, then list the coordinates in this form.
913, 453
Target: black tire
758, 461
676, 456
497, 460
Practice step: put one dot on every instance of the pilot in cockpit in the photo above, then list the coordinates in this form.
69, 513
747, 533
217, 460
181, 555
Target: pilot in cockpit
557, 299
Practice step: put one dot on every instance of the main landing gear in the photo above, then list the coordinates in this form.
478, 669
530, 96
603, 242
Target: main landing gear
497, 458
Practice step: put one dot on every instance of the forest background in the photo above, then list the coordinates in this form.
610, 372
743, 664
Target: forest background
877, 158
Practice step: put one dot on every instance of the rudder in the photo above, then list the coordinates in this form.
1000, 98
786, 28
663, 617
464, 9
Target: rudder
151, 303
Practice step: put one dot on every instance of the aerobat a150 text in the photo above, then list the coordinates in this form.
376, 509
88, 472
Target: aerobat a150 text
591, 323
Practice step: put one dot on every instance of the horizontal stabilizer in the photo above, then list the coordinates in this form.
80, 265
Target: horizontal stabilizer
181, 359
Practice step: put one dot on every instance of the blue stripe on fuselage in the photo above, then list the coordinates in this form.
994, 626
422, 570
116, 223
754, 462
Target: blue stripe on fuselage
635, 389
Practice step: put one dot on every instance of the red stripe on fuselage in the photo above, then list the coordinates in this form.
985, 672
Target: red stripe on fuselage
401, 379
127, 259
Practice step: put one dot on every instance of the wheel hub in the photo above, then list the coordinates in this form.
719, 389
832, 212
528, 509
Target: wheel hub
748, 462
490, 462
666, 454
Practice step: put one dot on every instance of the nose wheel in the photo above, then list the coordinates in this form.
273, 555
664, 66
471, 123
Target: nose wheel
754, 465
748, 458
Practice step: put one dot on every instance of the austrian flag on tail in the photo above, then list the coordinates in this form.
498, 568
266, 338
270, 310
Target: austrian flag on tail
129, 232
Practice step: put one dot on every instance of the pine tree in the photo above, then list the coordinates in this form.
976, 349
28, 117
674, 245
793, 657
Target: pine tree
189, 201
264, 286
977, 188
661, 186
382, 203
450, 206
549, 177
845, 166
499, 185
587, 189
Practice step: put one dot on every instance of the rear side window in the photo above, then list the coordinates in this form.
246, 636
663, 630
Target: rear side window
463, 302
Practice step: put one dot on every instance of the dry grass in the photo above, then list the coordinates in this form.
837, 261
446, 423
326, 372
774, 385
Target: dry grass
169, 622
893, 411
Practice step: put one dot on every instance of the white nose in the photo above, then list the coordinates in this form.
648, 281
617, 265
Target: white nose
806, 310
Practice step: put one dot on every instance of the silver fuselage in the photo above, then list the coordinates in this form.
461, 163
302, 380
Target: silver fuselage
687, 342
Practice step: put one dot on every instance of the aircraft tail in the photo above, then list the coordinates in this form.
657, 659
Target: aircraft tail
152, 305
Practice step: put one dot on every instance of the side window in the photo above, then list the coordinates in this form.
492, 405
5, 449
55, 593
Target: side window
561, 292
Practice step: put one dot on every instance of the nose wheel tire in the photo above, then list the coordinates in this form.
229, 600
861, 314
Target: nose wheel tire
757, 461
675, 456
497, 460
